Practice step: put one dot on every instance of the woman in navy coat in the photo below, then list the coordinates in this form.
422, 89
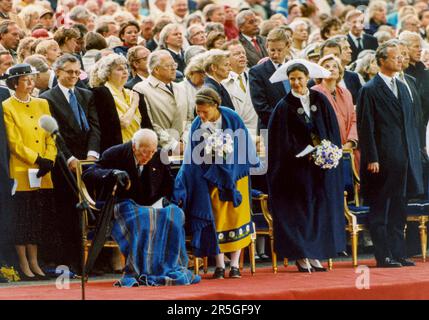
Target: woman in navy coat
306, 201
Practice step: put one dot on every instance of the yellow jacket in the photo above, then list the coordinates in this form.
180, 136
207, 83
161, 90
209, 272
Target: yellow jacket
27, 139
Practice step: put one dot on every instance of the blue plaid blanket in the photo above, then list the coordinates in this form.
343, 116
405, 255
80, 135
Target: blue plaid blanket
153, 243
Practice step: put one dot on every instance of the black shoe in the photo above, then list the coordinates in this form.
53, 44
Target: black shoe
318, 269
234, 272
388, 263
264, 257
42, 278
302, 269
24, 277
219, 273
406, 262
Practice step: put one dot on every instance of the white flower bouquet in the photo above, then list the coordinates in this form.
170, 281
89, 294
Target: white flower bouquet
327, 155
219, 144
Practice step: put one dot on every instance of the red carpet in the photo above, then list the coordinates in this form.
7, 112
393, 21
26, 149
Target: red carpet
401, 283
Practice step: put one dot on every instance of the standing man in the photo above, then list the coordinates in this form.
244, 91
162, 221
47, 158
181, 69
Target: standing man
357, 39
390, 169
9, 38
249, 37
167, 104
75, 112
171, 39
137, 60
6, 8
265, 95
237, 85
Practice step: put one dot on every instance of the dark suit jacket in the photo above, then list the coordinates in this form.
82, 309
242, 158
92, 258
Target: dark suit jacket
151, 45
417, 108
132, 82
352, 81
220, 89
253, 56
419, 72
388, 135
155, 181
179, 59
110, 126
368, 42
265, 95
77, 142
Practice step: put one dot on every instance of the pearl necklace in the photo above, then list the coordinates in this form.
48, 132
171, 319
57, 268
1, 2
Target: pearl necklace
22, 101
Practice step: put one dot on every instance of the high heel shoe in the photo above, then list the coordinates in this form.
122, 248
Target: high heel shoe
24, 277
302, 269
317, 268
42, 277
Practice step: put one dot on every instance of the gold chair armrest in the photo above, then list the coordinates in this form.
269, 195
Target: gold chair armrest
81, 184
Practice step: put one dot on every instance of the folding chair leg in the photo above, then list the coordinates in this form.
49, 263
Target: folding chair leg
206, 265
330, 264
354, 242
196, 265
285, 262
423, 238
252, 257
273, 255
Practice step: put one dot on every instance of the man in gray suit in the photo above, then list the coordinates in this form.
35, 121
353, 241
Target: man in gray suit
249, 37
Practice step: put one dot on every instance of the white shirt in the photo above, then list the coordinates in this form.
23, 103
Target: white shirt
305, 101
388, 81
66, 93
355, 41
277, 65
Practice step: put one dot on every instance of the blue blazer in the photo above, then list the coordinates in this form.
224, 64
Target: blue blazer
369, 42
220, 89
265, 95
352, 81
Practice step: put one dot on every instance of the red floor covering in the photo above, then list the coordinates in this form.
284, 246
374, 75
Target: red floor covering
340, 283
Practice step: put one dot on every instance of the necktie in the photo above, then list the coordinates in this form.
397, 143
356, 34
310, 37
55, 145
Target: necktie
242, 86
256, 45
170, 87
393, 87
359, 46
78, 112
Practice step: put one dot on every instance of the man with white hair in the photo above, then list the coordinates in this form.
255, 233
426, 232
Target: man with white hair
249, 37
136, 166
417, 69
167, 104
171, 39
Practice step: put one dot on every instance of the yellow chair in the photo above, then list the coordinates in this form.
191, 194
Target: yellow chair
87, 227
356, 215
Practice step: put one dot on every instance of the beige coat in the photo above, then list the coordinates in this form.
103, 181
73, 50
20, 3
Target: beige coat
167, 112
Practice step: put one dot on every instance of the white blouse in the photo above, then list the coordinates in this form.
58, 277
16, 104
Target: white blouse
305, 101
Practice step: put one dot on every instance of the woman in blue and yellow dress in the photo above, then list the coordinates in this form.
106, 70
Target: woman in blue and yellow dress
214, 190
30, 148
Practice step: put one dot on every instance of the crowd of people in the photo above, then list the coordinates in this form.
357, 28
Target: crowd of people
116, 74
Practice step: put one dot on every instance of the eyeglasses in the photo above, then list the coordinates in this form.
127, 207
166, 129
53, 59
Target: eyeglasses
72, 72
170, 66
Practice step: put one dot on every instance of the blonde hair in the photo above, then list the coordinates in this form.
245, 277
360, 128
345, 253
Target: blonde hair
44, 45
24, 44
214, 57
103, 69
337, 61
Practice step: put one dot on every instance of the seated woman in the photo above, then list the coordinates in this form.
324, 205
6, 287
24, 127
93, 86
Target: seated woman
215, 194
121, 112
306, 201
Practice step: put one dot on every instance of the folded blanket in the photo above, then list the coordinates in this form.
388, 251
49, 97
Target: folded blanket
153, 243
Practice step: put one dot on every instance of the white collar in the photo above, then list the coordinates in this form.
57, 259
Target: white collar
250, 39
276, 65
65, 91
354, 38
304, 96
386, 78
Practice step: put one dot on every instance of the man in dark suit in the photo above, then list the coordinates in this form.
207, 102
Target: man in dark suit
150, 179
249, 37
391, 169
357, 39
75, 112
351, 79
417, 69
265, 95
217, 67
137, 60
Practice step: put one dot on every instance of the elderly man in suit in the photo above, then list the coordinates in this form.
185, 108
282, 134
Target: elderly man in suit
237, 85
137, 59
357, 39
75, 112
167, 104
265, 95
391, 167
249, 37
139, 158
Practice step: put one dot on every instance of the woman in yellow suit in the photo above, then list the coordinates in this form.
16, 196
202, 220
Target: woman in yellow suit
212, 185
31, 148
